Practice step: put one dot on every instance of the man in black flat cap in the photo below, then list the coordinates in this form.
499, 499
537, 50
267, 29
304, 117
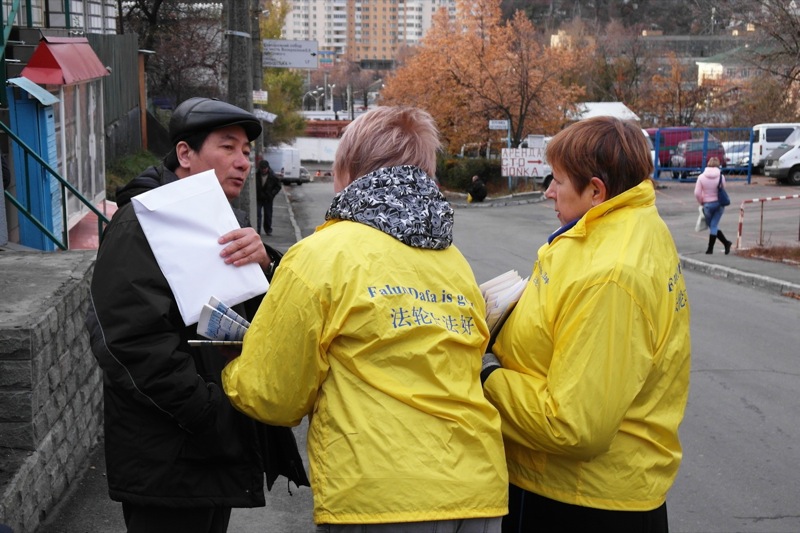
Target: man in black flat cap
178, 455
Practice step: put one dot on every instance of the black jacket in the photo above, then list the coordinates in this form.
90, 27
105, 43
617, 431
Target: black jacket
172, 437
267, 187
478, 190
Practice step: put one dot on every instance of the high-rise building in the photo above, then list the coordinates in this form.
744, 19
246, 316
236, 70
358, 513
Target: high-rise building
369, 32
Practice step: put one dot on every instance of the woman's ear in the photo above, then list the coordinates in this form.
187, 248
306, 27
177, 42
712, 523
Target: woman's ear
599, 191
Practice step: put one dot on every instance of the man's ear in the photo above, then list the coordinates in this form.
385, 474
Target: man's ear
182, 150
599, 191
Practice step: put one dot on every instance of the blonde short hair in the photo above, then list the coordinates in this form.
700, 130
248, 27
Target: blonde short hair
713, 162
387, 136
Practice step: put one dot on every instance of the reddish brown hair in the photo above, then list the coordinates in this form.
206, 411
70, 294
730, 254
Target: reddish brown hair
608, 148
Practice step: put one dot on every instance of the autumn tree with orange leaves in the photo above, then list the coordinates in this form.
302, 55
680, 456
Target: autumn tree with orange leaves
479, 68
673, 98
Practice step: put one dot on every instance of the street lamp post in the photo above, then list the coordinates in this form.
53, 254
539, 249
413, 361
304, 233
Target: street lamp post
330, 92
316, 95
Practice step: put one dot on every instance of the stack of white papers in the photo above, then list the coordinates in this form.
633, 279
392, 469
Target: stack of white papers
220, 324
501, 295
183, 221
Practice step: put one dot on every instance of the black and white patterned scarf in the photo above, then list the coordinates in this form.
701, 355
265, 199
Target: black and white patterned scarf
400, 201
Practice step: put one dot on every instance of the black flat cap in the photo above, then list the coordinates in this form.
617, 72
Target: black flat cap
206, 114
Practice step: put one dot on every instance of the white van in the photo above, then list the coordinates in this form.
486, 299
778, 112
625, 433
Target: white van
783, 163
767, 137
652, 147
284, 160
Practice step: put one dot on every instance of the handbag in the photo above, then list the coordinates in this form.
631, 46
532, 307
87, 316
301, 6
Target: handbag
701, 223
722, 194
275, 257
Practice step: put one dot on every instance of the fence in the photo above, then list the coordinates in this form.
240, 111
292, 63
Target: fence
777, 222
681, 153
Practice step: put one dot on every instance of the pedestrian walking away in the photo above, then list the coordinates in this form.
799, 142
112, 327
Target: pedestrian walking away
706, 191
590, 372
179, 457
385, 325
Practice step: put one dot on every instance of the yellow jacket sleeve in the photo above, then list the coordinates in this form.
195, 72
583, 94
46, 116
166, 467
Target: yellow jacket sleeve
279, 386
600, 362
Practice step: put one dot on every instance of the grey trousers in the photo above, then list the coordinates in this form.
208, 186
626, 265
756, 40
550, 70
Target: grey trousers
470, 525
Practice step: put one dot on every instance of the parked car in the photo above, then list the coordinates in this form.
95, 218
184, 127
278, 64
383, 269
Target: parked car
737, 153
666, 141
305, 176
691, 156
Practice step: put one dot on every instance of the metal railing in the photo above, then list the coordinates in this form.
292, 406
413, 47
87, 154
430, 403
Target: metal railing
63, 243
7, 25
784, 224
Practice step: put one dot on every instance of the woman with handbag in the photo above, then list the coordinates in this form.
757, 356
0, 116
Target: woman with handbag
710, 193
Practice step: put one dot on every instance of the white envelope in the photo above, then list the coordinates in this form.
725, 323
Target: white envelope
182, 222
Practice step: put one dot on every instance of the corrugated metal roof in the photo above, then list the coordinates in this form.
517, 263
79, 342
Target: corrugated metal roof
63, 61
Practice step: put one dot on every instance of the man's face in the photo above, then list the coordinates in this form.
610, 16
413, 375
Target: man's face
227, 152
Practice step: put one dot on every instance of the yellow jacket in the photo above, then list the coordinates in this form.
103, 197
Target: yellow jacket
380, 344
595, 360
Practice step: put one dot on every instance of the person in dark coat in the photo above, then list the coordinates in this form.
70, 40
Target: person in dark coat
6, 173
477, 192
178, 455
267, 188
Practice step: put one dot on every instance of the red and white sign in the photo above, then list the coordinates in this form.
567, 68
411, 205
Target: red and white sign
524, 162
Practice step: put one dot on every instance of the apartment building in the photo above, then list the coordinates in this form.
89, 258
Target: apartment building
369, 32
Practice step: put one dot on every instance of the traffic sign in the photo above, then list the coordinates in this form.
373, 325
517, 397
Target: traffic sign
260, 97
498, 124
282, 53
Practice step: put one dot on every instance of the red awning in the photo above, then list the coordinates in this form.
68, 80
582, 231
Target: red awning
63, 61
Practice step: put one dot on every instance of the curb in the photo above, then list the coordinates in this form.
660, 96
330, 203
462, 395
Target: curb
459, 201
758, 281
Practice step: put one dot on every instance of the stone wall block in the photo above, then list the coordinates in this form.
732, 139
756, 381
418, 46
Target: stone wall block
71, 468
15, 343
69, 330
61, 315
15, 375
41, 364
59, 432
17, 435
72, 385
54, 377
40, 425
52, 414
40, 397
39, 336
46, 449
15, 406
44, 491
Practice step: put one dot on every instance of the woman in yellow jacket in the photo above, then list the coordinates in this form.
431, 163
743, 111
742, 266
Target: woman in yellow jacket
374, 327
591, 374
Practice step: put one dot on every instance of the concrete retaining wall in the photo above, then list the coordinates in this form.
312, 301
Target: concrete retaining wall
50, 384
